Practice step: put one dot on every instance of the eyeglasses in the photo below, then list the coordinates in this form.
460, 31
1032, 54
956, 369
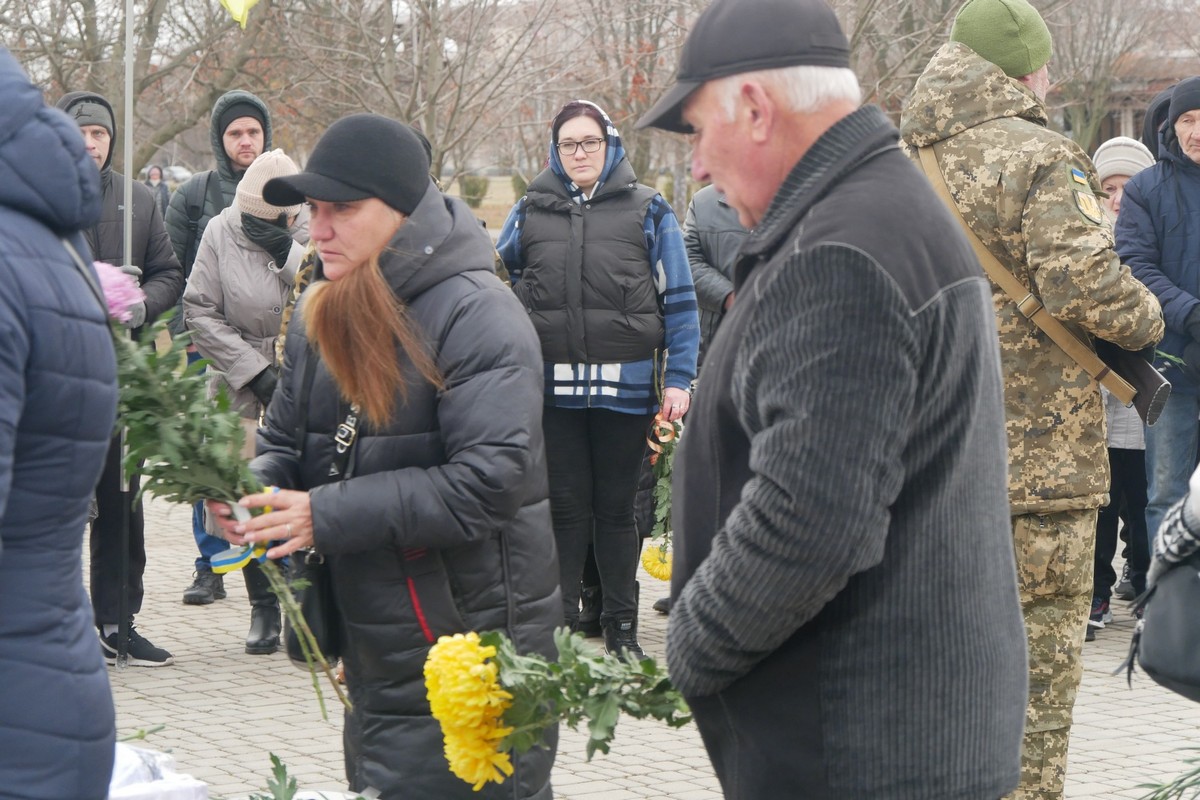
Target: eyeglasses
588, 145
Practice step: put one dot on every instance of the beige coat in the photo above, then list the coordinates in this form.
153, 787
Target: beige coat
233, 304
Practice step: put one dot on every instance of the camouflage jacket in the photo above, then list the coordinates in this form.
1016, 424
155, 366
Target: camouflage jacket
1029, 194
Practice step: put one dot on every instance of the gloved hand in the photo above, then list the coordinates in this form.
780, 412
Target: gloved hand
263, 385
270, 235
136, 272
1191, 361
1193, 323
137, 316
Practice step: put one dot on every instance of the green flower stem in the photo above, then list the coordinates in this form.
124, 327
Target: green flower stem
308, 642
1184, 786
580, 686
189, 449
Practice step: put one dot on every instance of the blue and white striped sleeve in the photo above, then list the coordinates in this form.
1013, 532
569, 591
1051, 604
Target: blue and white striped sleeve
508, 244
676, 293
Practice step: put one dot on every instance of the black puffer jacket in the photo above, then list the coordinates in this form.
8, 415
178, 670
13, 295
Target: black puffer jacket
445, 526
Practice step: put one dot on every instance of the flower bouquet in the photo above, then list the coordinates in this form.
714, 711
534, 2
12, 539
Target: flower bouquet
491, 700
187, 447
663, 439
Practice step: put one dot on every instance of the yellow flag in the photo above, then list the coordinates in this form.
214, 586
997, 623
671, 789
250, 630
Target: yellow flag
239, 9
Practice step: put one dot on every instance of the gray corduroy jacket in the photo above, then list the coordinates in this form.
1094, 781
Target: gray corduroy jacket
845, 595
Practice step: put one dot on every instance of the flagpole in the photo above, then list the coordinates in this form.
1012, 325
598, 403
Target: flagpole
123, 625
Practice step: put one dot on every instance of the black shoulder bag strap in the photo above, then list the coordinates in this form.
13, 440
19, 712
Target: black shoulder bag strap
347, 431
216, 198
423, 568
195, 199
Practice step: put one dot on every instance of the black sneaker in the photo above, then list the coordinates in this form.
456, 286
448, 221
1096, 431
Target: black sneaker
1124, 588
662, 605
1090, 636
620, 637
1101, 613
206, 588
141, 652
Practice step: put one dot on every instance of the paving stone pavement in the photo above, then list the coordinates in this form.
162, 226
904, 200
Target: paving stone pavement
222, 712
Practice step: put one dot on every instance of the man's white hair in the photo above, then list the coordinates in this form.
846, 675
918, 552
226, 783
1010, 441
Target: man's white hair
804, 89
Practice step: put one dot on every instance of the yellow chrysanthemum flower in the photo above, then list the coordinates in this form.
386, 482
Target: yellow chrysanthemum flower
466, 698
656, 559
476, 760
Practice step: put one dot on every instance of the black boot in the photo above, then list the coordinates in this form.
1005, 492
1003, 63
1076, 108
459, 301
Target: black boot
592, 601
206, 588
263, 637
620, 636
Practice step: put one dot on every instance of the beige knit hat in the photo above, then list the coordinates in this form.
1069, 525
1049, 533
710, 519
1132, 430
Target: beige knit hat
274, 164
1121, 156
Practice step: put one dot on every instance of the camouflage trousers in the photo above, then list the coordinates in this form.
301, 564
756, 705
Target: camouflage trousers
1054, 569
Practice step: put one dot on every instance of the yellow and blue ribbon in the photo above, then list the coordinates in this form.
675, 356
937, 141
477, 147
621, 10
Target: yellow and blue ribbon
236, 558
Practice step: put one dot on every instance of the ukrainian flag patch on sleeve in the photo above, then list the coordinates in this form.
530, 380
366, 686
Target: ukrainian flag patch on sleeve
1078, 176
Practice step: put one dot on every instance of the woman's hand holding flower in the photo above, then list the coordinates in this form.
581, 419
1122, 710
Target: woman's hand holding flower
675, 404
288, 520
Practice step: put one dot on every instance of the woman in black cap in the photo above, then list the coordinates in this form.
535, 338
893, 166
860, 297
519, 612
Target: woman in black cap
406, 439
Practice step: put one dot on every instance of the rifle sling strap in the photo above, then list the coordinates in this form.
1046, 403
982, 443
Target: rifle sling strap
1029, 304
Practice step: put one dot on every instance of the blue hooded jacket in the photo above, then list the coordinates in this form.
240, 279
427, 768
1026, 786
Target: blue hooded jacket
1158, 238
57, 408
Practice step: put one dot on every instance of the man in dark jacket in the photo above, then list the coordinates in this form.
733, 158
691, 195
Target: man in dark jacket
1158, 237
153, 263
239, 131
56, 414
845, 620
713, 236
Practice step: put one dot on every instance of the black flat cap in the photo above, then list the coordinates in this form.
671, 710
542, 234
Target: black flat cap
736, 36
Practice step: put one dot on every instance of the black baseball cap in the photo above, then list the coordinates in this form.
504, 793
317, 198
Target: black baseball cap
736, 36
359, 156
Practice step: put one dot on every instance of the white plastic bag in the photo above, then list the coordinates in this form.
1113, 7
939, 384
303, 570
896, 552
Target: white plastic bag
140, 774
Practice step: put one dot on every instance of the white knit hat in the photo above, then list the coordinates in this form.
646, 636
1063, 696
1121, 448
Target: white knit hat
274, 164
1121, 156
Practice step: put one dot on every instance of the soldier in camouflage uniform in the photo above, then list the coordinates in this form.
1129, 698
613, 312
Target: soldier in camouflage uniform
1029, 194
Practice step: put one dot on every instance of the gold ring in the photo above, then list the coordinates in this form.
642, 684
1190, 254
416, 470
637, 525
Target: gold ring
289, 530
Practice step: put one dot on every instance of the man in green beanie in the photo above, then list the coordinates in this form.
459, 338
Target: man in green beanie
1029, 194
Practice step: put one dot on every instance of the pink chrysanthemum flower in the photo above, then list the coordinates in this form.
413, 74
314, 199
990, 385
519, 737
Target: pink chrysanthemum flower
121, 291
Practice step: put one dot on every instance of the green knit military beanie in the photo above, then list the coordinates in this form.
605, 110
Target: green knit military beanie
1009, 33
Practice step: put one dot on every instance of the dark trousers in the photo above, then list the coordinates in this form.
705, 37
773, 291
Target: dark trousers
1127, 501
763, 734
592, 457
106, 543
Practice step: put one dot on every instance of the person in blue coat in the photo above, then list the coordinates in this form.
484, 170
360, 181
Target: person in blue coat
1158, 236
58, 397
